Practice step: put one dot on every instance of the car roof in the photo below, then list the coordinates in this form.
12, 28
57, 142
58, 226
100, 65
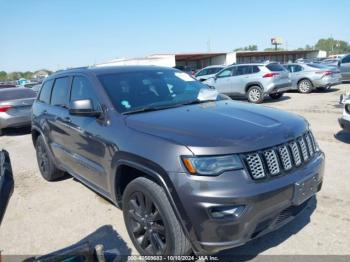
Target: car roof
251, 64
213, 66
102, 70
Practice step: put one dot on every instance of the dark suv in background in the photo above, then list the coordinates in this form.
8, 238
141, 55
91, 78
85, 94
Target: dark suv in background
190, 170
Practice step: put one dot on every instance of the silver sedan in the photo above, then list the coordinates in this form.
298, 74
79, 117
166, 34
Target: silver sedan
15, 107
307, 77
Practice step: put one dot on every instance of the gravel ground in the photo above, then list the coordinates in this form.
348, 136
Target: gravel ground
43, 217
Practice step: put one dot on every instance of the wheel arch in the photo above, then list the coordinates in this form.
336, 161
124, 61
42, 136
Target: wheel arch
305, 78
36, 132
125, 161
250, 84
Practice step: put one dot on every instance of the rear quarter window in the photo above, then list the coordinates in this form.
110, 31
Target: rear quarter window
45, 92
59, 96
275, 67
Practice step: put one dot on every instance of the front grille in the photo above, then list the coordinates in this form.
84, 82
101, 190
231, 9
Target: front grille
291, 211
274, 161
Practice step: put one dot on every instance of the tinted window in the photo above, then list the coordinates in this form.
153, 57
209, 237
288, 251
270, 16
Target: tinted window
297, 68
45, 92
275, 67
60, 90
82, 89
255, 69
294, 68
202, 72
225, 73
131, 91
346, 59
214, 70
244, 70
18, 93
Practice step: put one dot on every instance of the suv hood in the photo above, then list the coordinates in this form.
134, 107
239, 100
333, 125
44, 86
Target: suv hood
222, 127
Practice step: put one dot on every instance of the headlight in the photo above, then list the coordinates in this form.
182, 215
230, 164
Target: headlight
210, 166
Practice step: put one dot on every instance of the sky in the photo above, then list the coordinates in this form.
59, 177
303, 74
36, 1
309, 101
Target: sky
55, 34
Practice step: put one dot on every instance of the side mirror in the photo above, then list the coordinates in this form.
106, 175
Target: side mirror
83, 108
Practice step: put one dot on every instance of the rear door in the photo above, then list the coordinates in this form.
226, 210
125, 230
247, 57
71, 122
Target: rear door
296, 73
345, 67
55, 118
243, 76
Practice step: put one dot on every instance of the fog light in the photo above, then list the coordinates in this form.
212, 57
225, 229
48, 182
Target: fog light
227, 211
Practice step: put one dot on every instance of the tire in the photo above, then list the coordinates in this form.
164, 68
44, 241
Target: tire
276, 95
150, 220
255, 94
322, 88
305, 86
1, 132
46, 165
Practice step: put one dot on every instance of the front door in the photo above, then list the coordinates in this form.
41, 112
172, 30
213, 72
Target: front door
87, 147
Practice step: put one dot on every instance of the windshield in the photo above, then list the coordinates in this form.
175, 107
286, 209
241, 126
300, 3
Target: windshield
151, 88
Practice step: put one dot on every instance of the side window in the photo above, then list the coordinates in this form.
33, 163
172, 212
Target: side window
346, 59
225, 73
288, 67
244, 70
297, 68
202, 72
255, 69
82, 89
45, 92
60, 90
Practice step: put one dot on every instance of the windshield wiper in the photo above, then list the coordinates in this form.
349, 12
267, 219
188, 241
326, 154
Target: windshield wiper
150, 109
198, 101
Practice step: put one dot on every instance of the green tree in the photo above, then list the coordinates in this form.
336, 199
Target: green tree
3, 76
27, 75
333, 46
247, 48
273, 49
14, 76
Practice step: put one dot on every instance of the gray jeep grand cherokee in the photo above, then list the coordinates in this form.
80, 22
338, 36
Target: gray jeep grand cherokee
191, 170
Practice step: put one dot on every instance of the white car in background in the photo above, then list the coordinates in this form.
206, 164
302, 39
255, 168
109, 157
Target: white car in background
208, 72
344, 121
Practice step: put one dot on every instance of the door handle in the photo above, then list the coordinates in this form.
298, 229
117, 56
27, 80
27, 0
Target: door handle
67, 119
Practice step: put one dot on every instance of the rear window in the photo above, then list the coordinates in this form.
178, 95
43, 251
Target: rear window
13, 94
275, 67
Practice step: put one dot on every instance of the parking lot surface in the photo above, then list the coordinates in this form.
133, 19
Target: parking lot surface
43, 217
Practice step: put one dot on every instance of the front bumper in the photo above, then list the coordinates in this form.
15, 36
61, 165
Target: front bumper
344, 124
265, 204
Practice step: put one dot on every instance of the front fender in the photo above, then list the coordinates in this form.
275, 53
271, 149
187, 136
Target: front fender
158, 174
